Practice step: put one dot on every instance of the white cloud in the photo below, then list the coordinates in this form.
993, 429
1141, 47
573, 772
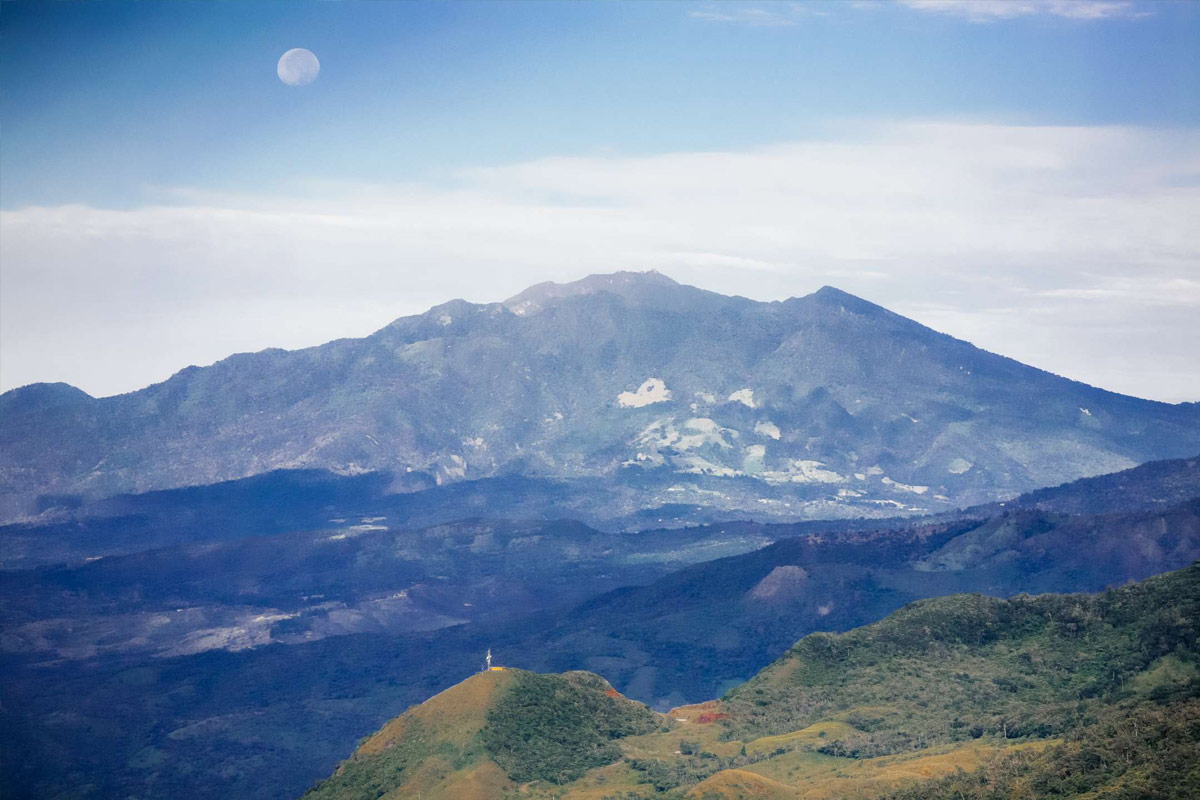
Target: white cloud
1072, 248
989, 10
776, 15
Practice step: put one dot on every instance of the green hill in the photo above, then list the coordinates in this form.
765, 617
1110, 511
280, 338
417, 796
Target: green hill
495, 730
963, 696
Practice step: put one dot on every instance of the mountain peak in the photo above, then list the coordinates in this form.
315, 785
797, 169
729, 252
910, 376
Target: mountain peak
43, 395
627, 277
647, 288
796, 400
835, 299
501, 729
832, 292
833, 296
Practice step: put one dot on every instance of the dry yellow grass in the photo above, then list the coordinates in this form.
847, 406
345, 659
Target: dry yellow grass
810, 735
797, 775
457, 714
602, 782
736, 784
435, 781
818, 777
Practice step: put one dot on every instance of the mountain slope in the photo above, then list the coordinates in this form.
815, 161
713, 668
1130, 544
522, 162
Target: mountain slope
348, 576
823, 405
482, 737
695, 631
1157, 484
354, 564
954, 683
293, 500
265, 722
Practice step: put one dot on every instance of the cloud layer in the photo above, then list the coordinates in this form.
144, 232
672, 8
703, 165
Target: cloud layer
986, 10
778, 14
1073, 249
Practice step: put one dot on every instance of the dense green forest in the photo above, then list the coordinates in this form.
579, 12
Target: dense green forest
958, 667
1144, 752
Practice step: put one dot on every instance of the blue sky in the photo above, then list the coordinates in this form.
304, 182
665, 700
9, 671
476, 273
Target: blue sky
109, 103
1009, 171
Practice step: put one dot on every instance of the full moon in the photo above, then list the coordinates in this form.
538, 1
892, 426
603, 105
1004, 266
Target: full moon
297, 67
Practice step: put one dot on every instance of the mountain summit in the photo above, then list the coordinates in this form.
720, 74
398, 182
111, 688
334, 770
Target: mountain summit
650, 288
659, 393
484, 737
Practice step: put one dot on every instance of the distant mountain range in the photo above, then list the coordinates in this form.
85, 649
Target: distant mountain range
653, 394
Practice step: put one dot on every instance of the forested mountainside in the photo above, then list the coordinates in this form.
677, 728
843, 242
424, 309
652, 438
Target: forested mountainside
958, 696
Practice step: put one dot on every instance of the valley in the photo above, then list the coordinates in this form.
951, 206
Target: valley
670, 617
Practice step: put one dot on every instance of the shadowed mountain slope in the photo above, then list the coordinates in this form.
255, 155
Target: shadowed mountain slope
314, 500
720, 621
1157, 484
300, 641
823, 405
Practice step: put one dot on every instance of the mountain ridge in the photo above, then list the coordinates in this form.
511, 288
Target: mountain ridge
546, 293
824, 405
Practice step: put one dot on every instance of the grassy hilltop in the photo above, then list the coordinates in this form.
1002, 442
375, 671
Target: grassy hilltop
958, 697
495, 730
